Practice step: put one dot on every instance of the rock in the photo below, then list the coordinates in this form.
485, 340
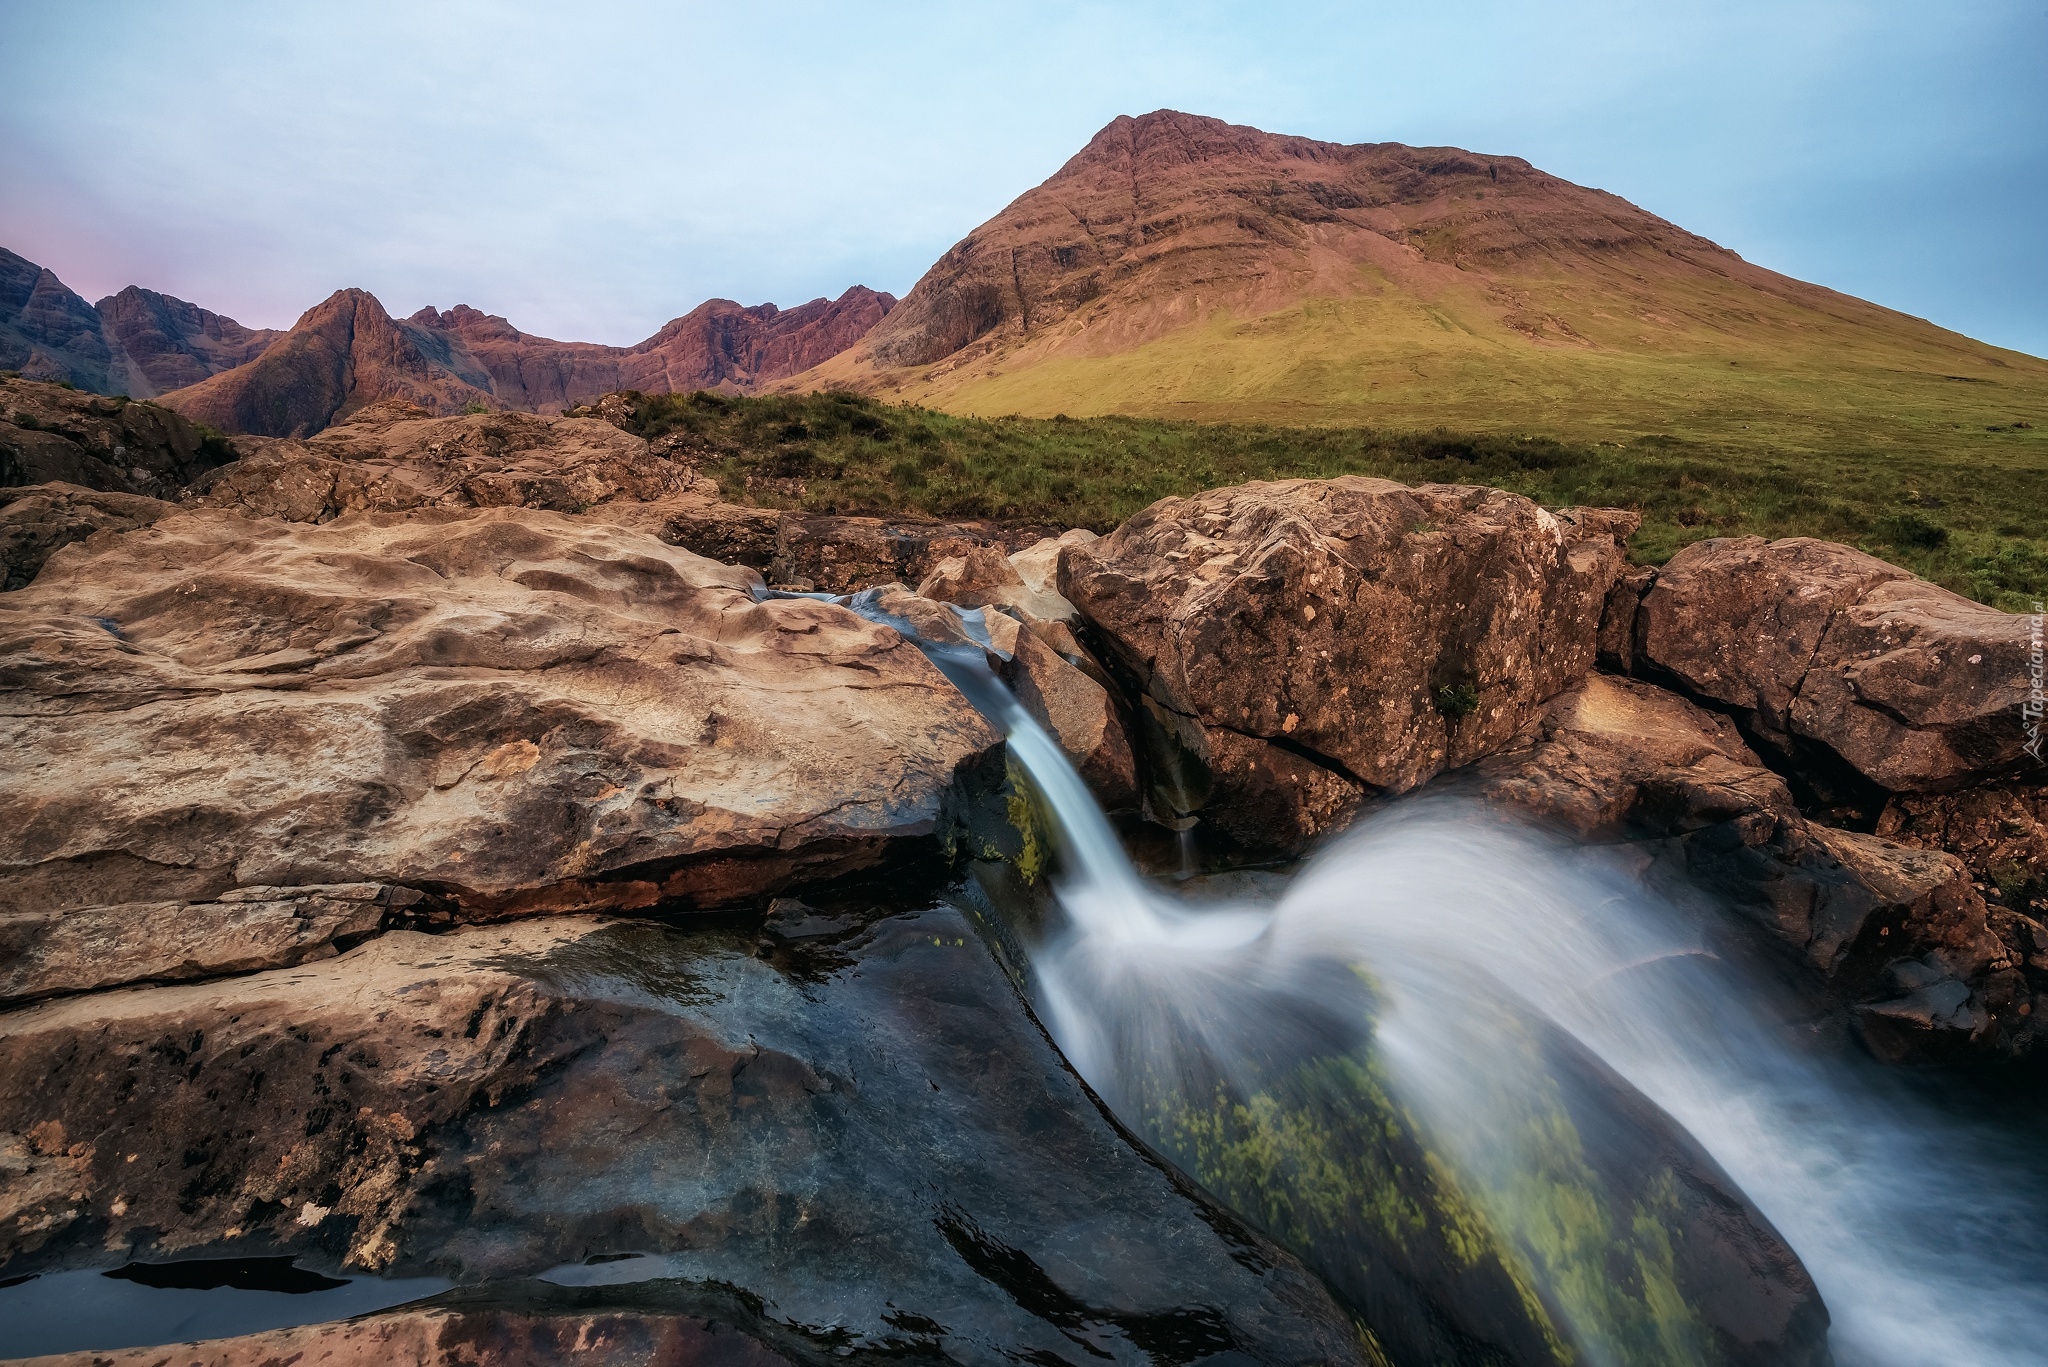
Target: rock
1998, 830
1835, 661
892, 1158
48, 332
847, 554
1379, 632
40, 519
1038, 565
1618, 619
982, 576
392, 457
81, 949
50, 434
1079, 712
460, 1338
1622, 761
514, 709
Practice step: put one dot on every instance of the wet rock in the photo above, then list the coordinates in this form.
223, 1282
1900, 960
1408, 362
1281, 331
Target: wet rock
81, 949
50, 434
40, 519
519, 710
982, 576
1380, 632
888, 1157
1070, 701
462, 1338
1843, 667
1621, 761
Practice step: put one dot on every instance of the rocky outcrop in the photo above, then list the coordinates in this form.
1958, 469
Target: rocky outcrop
50, 434
1377, 633
847, 554
393, 457
514, 709
1899, 931
40, 519
498, 1101
167, 343
1845, 669
347, 353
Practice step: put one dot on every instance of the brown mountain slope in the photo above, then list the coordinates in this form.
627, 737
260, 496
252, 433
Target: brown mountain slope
168, 343
1181, 266
348, 352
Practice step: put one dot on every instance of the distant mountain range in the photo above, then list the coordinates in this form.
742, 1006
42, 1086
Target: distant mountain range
1177, 266
347, 351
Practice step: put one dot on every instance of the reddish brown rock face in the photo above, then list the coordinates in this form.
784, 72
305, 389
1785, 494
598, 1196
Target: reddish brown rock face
168, 343
1381, 633
526, 711
1912, 687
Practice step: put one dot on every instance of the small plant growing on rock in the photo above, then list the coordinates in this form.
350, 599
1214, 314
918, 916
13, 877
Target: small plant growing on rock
1456, 701
475, 406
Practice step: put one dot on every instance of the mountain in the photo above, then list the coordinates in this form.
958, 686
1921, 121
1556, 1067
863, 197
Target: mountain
138, 342
347, 352
169, 343
1180, 266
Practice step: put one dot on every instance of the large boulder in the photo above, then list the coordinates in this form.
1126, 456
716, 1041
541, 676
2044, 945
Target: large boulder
1841, 666
514, 710
1374, 632
1897, 931
38, 520
849, 1138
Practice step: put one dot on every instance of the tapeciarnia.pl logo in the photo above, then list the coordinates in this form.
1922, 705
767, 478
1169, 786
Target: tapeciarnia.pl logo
2037, 695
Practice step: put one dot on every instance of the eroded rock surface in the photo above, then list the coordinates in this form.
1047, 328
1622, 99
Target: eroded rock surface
1897, 929
1834, 659
865, 1138
519, 710
81, 949
38, 520
1378, 632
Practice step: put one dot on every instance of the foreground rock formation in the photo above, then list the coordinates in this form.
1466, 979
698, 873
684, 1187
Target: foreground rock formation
1332, 638
49, 433
513, 710
498, 1101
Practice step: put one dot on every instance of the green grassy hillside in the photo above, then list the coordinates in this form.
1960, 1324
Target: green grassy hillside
1964, 512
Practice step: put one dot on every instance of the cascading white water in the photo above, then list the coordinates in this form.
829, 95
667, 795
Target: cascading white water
1926, 1233
1922, 1231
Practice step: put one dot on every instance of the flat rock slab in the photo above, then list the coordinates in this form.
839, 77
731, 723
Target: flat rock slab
867, 1138
512, 708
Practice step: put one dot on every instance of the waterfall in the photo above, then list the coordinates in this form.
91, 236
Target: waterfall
1480, 958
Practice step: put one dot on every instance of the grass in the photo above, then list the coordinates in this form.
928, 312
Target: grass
1969, 521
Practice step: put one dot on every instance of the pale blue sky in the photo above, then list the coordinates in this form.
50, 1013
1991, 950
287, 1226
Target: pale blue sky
591, 170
